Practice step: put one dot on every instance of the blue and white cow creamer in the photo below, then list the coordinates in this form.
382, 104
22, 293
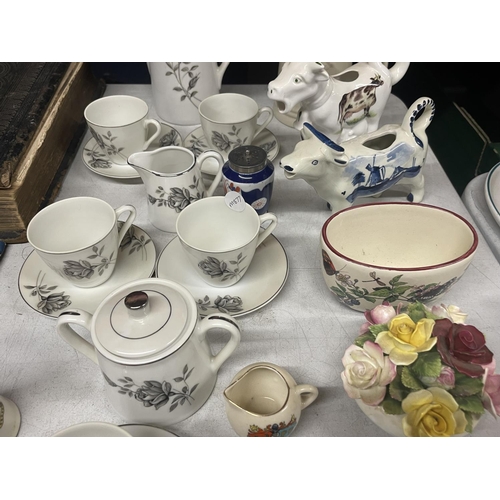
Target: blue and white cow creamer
366, 165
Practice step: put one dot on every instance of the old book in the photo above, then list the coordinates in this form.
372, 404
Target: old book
40, 138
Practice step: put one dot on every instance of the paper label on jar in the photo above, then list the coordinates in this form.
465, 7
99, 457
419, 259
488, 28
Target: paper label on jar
235, 201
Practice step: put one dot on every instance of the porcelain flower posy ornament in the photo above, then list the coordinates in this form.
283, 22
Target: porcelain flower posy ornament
423, 368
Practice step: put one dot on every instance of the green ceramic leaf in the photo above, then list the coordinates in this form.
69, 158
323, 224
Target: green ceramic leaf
472, 404
392, 407
396, 388
468, 417
466, 386
409, 380
360, 341
376, 329
428, 364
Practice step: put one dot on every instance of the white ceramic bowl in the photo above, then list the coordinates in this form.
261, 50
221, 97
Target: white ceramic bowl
398, 252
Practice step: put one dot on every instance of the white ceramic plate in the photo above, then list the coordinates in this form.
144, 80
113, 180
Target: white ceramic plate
95, 160
137, 430
49, 294
10, 418
93, 429
492, 192
196, 142
262, 282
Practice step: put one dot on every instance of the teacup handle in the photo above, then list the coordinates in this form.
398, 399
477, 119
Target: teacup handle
63, 328
269, 229
267, 121
224, 322
128, 221
218, 175
308, 394
156, 124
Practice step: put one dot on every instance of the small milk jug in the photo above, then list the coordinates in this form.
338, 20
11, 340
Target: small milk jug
179, 87
263, 400
172, 178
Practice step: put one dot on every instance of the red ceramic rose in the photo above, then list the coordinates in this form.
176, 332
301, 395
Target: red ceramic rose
462, 347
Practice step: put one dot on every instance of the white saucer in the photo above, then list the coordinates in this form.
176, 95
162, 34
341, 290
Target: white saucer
95, 160
263, 281
10, 418
93, 429
196, 142
492, 192
37, 282
137, 430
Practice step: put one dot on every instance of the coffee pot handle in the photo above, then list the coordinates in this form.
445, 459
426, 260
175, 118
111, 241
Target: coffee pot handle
63, 328
224, 322
220, 73
307, 393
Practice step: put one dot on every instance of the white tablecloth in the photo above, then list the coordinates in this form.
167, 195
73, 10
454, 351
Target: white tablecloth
305, 329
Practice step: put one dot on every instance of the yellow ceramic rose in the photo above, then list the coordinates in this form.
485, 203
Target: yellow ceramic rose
432, 412
405, 339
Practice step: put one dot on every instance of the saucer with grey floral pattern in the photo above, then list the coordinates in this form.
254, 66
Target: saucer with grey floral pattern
97, 161
263, 281
49, 294
140, 430
196, 142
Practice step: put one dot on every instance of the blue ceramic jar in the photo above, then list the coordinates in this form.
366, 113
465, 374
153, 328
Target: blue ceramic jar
249, 171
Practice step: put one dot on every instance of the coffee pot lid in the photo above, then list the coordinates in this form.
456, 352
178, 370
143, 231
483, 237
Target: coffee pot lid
247, 159
144, 321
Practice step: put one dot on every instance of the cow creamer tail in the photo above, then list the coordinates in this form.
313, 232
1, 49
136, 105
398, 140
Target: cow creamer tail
418, 118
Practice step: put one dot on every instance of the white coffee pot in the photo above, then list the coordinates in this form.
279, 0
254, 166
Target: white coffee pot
179, 87
151, 347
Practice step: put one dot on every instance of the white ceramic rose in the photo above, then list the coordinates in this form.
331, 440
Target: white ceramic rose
367, 373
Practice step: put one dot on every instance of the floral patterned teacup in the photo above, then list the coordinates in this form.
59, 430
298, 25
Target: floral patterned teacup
230, 120
172, 177
119, 126
79, 238
220, 242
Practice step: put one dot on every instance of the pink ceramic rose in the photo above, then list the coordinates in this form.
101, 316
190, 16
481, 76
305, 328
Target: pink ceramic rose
379, 315
367, 372
446, 379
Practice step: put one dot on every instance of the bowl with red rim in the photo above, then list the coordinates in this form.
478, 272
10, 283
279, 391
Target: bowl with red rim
394, 252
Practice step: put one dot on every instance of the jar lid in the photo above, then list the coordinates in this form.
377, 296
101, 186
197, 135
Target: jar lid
144, 321
247, 159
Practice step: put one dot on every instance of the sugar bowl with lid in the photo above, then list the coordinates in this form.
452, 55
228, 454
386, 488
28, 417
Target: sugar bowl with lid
151, 347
